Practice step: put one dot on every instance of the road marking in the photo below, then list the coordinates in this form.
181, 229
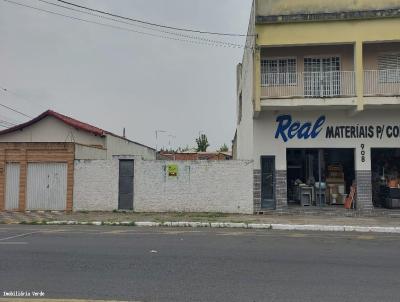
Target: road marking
11, 242
16, 236
115, 232
231, 234
366, 237
297, 235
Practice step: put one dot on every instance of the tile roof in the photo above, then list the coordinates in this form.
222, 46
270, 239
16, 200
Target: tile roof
69, 121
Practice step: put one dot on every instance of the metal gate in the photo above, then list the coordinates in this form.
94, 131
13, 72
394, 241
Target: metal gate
268, 182
46, 186
12, 186
125, 196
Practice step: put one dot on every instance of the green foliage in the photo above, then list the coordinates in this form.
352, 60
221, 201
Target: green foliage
202, 143
224, 148
183, 149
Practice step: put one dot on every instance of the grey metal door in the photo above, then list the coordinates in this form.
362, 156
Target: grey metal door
12, 186
268, 182
125, 195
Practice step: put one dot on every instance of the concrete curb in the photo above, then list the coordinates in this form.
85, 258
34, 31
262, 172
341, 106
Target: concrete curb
236, 225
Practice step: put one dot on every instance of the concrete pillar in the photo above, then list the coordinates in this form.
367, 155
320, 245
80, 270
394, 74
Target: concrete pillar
281, 189
364, 191
363, 178
359, 74
257, 190
257, 81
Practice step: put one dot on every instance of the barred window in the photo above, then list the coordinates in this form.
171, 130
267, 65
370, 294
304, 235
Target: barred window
278, 72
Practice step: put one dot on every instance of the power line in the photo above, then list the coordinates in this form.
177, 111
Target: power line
122, 28
142, 26
153, 24
10, 108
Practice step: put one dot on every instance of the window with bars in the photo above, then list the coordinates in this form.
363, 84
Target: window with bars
278, 72
389, 68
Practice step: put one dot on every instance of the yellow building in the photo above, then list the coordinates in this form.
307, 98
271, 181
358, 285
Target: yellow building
319, 103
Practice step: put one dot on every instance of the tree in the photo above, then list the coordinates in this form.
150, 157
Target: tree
224, 148
202, 143
183, 149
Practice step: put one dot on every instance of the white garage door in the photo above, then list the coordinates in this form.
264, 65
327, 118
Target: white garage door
12, 186
46, 186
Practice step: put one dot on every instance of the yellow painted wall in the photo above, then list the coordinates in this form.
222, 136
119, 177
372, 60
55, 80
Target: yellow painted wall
286, 7
328, 32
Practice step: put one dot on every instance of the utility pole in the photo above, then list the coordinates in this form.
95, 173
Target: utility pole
169, 140
158, 131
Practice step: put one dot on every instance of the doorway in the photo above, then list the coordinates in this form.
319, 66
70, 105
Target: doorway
322, 76
319, 177
268, 182
126, 174
385, 170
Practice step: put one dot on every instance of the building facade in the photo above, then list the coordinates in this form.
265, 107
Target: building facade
318, 104
37, 160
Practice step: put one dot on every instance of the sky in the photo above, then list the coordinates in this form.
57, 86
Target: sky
117, 79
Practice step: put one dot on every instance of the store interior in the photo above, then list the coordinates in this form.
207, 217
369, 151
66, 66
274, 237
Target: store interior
385, 178
320, 177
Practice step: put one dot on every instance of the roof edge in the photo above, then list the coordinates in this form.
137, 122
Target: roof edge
334, 16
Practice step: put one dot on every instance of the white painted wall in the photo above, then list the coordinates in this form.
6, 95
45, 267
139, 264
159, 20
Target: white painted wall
95, 185
245, 137
201, 186
118, 146
87, 152
51, 129
266, 144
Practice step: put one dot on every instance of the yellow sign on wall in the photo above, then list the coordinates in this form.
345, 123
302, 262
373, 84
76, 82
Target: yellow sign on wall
172, 170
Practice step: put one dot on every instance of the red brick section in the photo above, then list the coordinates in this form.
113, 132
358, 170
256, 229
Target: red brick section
194, 156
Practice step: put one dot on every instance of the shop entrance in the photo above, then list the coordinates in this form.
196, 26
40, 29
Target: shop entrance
385, 166
319, 177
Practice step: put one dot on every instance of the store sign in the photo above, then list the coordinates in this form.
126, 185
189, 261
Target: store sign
172, 170
288, 129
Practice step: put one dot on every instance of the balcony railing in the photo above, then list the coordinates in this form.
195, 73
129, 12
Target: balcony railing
382, 82
308, 84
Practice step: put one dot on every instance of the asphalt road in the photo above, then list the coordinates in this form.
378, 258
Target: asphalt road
144, 264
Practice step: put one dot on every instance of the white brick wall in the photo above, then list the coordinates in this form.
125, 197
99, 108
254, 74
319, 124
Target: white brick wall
201, 186
95, 185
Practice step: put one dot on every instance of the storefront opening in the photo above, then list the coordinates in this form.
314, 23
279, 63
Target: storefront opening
385, 165
319, 177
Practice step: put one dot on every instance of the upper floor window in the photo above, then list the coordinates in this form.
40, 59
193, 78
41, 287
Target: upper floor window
389, 68
278, 71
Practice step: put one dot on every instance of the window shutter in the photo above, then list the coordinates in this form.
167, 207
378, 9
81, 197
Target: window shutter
389, 68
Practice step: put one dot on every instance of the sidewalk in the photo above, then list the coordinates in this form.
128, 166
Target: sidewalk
270, 221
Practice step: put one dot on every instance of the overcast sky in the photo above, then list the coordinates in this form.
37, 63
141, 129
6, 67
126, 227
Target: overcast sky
115, 79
